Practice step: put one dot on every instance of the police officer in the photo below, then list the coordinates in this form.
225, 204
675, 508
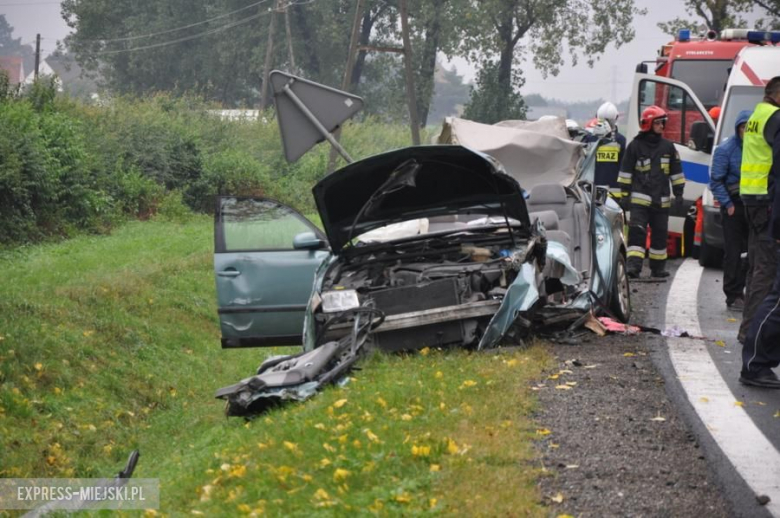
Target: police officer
755, 188
650, 164
609, 154
760, 172
724, 184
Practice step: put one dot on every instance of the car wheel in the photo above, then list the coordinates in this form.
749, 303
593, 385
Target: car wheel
709, 256
620, 301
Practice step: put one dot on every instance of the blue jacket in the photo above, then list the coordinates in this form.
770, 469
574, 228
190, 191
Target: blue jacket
726, 162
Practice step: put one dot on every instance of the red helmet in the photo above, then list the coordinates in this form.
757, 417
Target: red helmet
649, 115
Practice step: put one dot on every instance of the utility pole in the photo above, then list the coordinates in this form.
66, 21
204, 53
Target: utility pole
268, 58
37, 55
289, 35
406, 50
347, 74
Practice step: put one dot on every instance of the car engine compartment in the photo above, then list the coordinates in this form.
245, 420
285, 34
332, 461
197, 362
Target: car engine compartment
446, 287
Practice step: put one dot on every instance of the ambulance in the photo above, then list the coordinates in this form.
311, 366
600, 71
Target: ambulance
692, 76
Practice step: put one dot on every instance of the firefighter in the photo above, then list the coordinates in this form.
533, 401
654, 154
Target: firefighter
649, 165
760, 172
724, 184
610, 153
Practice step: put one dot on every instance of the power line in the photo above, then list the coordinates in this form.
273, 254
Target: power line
185, 38
175, 29
29, 3
195, 36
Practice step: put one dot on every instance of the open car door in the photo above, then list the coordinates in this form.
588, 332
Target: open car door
265, 257
687, 121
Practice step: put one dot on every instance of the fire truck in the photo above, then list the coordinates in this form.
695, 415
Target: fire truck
689, 79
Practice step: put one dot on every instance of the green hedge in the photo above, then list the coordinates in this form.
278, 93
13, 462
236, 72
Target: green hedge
68, 167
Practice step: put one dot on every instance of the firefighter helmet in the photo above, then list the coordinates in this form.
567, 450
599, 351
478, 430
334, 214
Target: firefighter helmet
650, 115
608, 112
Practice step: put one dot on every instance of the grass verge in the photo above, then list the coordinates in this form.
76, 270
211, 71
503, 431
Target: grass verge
111, 343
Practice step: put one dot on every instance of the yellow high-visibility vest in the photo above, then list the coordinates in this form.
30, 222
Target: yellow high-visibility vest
756, 153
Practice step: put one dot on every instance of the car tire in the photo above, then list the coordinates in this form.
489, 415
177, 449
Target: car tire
710, 256
620, 298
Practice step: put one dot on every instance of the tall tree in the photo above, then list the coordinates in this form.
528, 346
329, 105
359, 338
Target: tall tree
721, 14
494, 28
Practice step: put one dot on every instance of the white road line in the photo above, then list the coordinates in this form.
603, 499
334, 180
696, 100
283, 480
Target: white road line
756, 460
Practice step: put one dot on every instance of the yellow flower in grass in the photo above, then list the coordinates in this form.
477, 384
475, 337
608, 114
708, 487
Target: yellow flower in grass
435, 468
403, 498
438, 375
319, 426
237, 471
371, 436
406, 417
468, 384
340, 403
340, 475
425, 351
452, 447
421, 451
512, 362
325, 463
321, 494
328, 447
381, 402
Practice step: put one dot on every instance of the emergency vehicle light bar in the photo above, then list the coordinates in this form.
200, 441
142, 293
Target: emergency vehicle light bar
761, 36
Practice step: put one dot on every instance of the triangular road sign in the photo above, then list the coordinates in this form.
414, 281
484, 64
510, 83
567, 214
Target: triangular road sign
309, 112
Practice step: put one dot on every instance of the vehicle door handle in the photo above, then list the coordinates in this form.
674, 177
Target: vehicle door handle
229, 273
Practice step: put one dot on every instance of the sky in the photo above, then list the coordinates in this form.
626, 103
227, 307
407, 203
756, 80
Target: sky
610, 78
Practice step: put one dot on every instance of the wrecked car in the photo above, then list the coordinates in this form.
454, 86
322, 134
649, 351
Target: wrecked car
428, 246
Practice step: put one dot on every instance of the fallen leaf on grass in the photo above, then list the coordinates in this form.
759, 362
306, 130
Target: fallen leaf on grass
340, 403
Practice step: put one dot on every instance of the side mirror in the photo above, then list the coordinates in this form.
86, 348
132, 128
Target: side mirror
308, 241
601, 195
701, 137
641, 68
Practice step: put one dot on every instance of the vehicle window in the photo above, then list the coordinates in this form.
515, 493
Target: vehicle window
250, 224
680, 107
706, 79
743, 97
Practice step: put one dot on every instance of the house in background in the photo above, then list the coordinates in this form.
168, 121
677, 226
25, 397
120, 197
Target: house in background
14, 66
44, 70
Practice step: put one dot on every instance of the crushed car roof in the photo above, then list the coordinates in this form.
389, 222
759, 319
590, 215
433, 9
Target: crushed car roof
408, 183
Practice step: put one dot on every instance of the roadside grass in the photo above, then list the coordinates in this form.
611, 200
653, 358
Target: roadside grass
111, 343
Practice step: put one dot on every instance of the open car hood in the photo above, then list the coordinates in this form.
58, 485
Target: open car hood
414, 182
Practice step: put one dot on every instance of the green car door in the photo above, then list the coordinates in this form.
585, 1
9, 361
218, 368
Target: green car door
265, 257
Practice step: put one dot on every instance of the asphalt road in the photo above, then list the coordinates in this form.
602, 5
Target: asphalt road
737, 424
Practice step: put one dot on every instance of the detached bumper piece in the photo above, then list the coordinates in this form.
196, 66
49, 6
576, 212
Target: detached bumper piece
298, 377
